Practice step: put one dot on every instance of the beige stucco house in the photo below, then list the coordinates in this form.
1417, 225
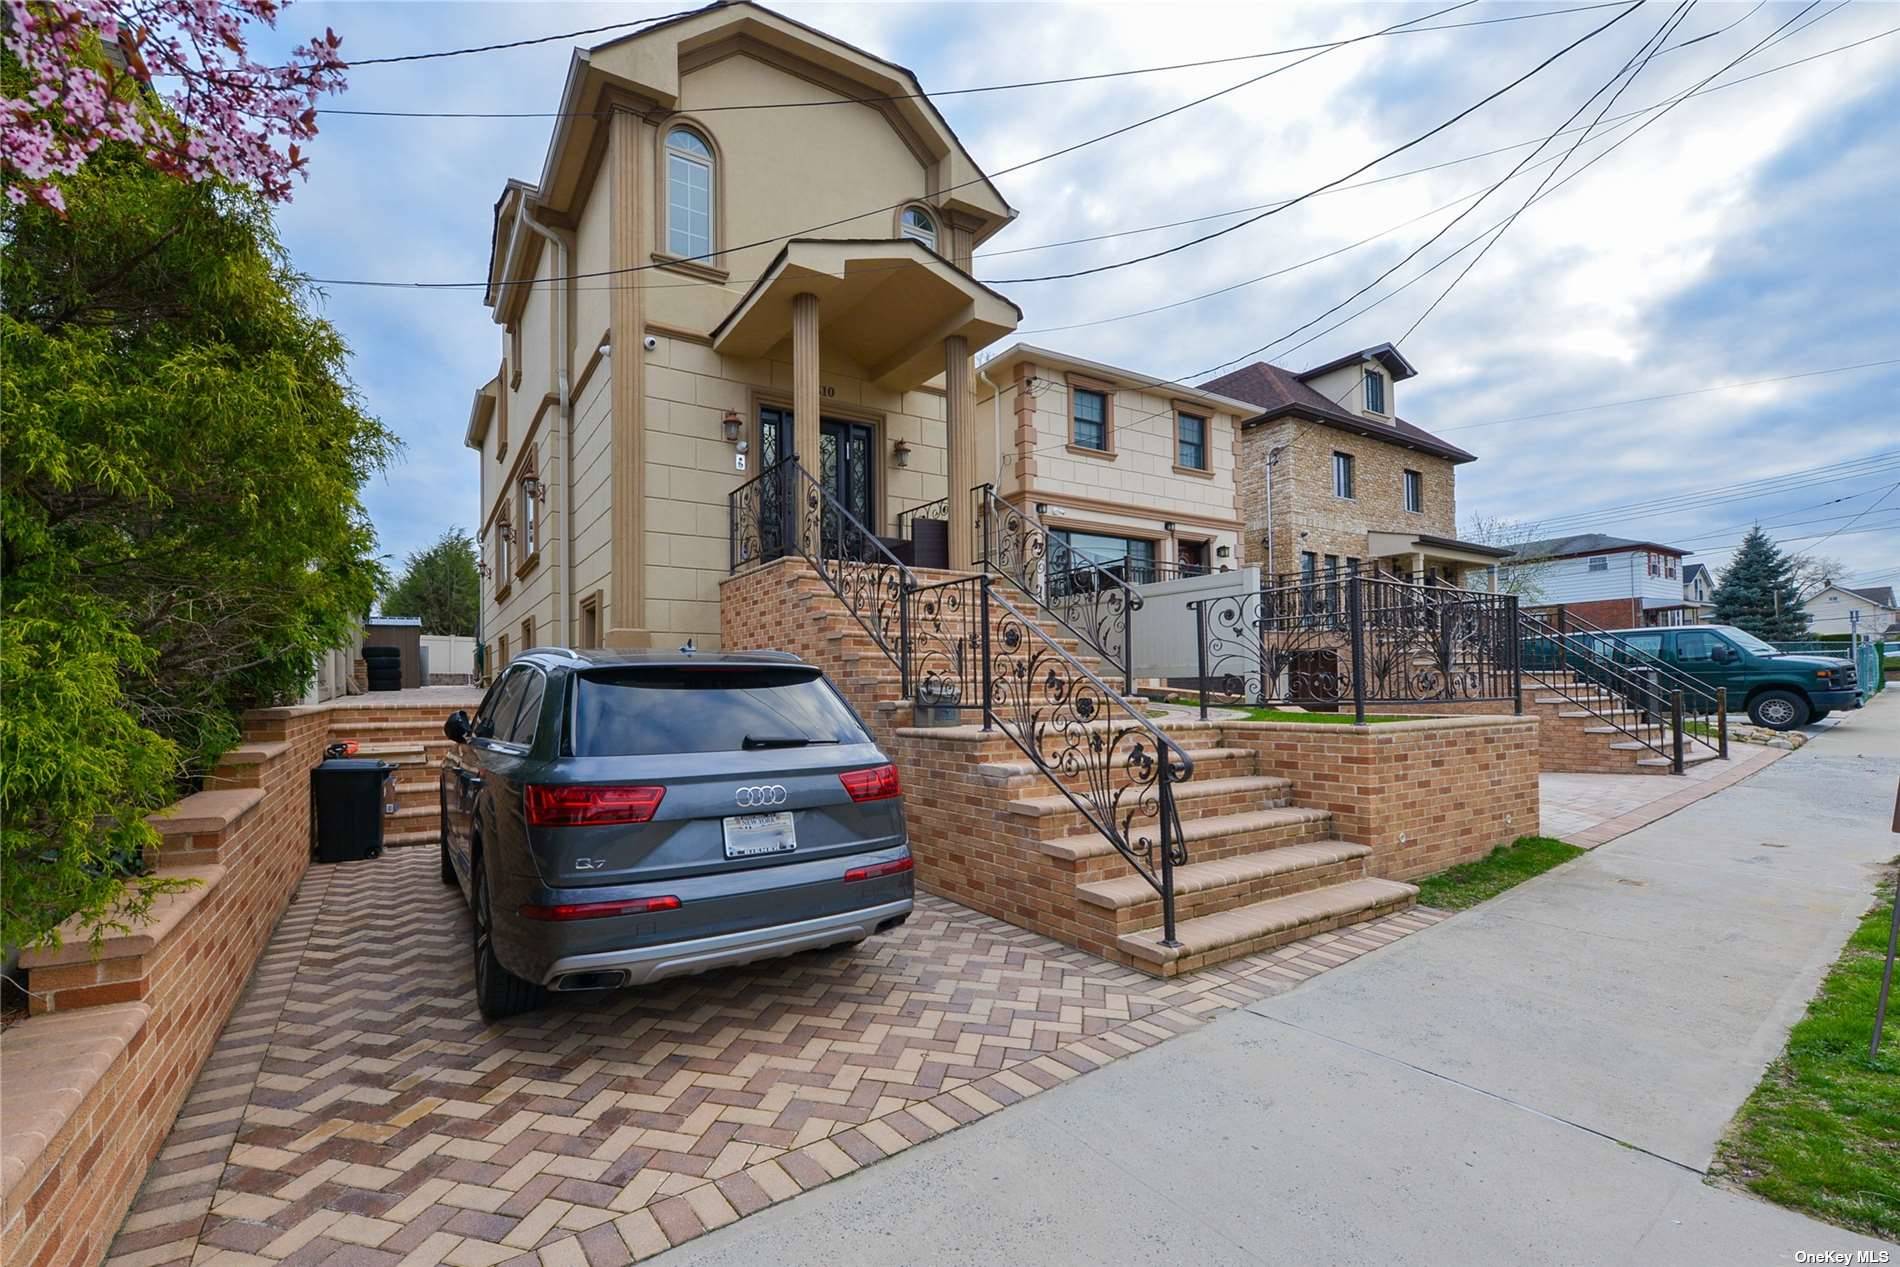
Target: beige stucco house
1332, 478
663, 341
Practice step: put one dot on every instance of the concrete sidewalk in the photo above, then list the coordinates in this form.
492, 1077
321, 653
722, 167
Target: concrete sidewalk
1541, 1080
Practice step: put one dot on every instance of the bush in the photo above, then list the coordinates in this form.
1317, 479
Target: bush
179, 476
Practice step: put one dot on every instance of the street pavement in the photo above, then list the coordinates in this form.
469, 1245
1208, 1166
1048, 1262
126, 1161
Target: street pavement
1540, 1080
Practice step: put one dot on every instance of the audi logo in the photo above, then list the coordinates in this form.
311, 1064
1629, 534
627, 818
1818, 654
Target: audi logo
763, 794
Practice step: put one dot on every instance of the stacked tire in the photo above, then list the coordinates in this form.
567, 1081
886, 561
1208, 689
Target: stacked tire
385, 668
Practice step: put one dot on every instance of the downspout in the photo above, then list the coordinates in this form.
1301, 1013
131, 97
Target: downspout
996, 422
561, 445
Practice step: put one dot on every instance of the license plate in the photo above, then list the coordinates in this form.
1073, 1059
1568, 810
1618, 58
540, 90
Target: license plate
755, 835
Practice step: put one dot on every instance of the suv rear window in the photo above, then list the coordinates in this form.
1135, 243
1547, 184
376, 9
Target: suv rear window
641, 712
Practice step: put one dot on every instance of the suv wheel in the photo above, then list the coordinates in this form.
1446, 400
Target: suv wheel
1778, 710
499, 993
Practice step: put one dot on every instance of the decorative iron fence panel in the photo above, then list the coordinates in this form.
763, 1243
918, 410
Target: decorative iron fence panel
1358, 640
1086, 599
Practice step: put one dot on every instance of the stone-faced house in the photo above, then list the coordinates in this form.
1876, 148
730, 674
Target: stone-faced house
1332, 479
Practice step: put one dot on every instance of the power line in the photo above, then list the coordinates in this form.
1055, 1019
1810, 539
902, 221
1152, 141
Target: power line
1671, 103
1376, 180
1294, 202
1700, 391
1659, 506
1857, 518
901, 96
1486, 248
1655, 40
1613, 120
977, 180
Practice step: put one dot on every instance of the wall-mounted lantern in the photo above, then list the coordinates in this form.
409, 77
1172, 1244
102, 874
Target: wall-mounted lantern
532, 486
900, 453
729, 426
506, 532
1042, 508
1169, 526
1223, 552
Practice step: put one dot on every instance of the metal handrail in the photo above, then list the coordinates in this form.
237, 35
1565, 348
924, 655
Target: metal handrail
1077, 711
1111, 634
1700, 700
1607, 677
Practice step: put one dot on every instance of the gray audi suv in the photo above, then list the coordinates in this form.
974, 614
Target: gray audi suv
616, 818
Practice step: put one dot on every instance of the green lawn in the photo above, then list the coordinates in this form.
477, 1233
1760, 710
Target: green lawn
1469, 883
1821, 1134
1343, 718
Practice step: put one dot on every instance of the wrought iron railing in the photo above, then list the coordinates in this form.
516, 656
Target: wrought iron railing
1584, 671
1638, 679
1357, 641
962, 644
1102, 751
1086, 599
759, 517
939, 509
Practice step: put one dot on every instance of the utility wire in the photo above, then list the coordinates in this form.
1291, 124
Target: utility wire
901, 96
1654, 41
1482, 235
1376, 180
1646, 400
985, 179
1486, 248
1294, 202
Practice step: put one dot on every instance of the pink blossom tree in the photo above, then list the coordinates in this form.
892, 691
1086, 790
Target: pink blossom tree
170, 76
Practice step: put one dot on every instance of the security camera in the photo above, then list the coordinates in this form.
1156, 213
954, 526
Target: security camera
649, 343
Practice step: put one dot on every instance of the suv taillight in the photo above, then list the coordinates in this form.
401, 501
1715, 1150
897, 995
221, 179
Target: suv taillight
580, 805
879, 783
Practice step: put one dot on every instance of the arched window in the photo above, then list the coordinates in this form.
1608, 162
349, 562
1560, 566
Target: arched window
919, 227
689, 193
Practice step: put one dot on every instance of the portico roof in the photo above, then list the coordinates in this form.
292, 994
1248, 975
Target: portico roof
886, 305
1381, 544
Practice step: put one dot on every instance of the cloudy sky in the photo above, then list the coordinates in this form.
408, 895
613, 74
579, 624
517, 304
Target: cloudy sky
1749, 233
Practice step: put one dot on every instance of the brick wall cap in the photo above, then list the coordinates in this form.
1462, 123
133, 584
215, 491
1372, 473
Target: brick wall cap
1464, 722
52, 1063
168, 910
203, 813
256, 753
441, 701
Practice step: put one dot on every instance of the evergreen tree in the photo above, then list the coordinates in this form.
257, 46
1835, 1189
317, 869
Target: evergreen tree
1759, 593
440, 585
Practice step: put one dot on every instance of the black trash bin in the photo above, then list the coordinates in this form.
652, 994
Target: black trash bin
347, 795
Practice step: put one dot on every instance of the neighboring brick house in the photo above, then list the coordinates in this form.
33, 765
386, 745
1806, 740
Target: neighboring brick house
1331, 478
1613, 582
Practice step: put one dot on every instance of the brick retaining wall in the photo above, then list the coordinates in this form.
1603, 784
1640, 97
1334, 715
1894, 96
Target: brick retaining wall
1425, 794
95, 1077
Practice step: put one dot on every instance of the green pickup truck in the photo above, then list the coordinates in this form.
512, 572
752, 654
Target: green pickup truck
1779, 691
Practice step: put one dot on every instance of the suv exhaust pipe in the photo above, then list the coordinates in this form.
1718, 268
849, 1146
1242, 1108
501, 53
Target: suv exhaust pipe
606, 979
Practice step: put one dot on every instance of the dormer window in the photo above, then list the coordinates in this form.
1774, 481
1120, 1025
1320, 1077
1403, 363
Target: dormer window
917, 225
1375, 392
689, 193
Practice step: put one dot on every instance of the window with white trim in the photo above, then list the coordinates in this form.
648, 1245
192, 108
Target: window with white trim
917, 225
1342, 475
689, 194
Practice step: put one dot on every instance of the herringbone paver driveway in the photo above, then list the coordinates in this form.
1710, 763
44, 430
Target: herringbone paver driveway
358, 1113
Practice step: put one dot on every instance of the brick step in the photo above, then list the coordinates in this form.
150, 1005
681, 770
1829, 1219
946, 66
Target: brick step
1225, 884
1209, 763
1093, 858
1054, 816
1211, 939
395, 839
995, 745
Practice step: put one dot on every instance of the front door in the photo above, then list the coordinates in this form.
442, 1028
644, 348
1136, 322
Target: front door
847, 453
